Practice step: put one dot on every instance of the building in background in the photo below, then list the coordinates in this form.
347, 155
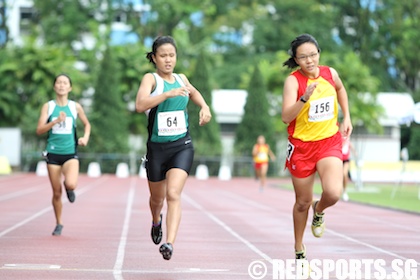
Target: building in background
18, 16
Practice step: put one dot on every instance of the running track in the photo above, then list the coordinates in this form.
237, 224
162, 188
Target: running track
226, 225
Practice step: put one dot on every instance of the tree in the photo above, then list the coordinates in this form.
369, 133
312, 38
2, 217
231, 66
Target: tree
392, 18
10, 105
206, 138
282, 21
66, 21
166, 16
109, 113
133, 65
413, 143
384, 34
256, 119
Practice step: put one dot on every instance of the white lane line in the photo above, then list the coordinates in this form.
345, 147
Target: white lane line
389, 224
140, 272
227, 228
348, 238
21, 192
45, 210
31, 266
117, 271
25, 221
266, 257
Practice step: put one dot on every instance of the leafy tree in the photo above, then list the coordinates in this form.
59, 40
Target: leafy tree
230, 66
66, 21
272, 25
392, 18
384, 34
166, 16
282, 21
256, 119
109, 113
10, 111
133, 65
413, 143
206, 138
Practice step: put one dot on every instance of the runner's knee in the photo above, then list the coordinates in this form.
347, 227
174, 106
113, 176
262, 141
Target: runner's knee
302, 205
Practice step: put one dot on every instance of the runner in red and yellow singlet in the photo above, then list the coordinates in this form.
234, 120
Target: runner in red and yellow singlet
261, 153
311, 99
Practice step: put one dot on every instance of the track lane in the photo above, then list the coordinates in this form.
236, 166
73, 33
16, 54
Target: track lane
225, 226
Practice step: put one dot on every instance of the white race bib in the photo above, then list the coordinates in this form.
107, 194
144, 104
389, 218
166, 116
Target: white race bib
262, 156
65, 127
171, 123
321, 109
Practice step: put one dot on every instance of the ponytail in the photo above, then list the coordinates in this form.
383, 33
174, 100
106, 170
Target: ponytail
291, 63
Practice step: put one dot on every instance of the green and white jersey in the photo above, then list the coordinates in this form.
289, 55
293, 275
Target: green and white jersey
62, 136
168, 121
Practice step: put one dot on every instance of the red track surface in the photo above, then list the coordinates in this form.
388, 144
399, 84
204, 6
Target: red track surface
226, 225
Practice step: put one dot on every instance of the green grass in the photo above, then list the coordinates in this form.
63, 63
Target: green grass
406, 196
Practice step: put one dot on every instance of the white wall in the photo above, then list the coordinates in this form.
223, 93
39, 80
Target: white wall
10, 145
377, 149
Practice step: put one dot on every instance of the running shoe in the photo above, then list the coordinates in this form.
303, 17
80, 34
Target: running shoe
57, 230
156, 232
71, 195
318, 224
301, 255
166, 251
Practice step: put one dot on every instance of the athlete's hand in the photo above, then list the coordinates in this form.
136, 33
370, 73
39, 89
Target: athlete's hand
182, 91
83, 141
205, 115
61, 117
346, 127
309, 91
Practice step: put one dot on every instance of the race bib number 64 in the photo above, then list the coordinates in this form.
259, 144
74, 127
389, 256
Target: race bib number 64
171, 123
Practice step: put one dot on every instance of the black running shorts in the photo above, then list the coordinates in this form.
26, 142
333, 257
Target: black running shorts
59, 159
163, 156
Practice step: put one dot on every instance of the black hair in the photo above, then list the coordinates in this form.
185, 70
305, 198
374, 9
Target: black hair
159, 41
299, 40
62, 74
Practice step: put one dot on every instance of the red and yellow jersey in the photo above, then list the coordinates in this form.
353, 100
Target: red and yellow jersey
262, 153
318, 118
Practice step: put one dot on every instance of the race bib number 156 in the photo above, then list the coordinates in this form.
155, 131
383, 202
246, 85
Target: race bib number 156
321, 109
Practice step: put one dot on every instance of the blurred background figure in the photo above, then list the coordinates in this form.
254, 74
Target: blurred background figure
262, 154
347, 149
